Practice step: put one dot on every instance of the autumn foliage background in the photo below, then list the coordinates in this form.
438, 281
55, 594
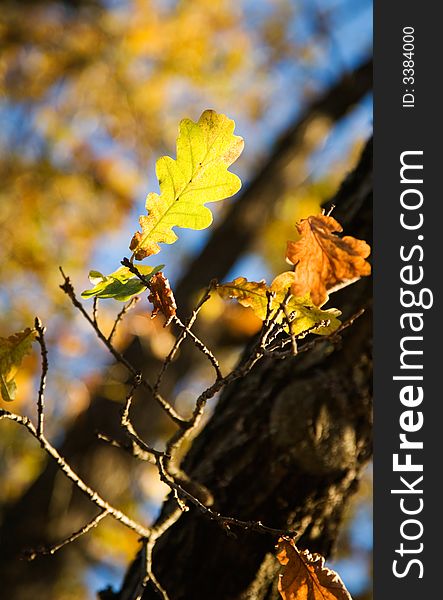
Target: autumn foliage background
91, 95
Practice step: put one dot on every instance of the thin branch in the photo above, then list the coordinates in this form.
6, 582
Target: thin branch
201, 346
272, 351
34, 553
186, 331
166, 406
130, 265
130, 447
180, 339
226, 522
178, 438
150, 576
72, 475
147, 574
132, 302
292, 335
41, 392
95, 310
127, 425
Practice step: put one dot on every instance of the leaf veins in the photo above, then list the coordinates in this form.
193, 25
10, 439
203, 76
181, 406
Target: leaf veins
200, 174
305, 576
323, 261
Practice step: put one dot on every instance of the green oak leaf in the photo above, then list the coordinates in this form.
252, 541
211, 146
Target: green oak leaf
205, 150
12, 351
121, 285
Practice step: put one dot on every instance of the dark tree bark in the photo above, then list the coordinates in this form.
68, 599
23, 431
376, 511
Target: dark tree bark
20, 527
286, 445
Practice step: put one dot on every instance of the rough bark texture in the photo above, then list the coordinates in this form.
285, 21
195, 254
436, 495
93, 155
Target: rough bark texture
51, 496
286, 445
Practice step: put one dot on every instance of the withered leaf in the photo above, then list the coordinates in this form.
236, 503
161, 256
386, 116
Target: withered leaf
305, 576
323, 261
162, 297
13, 349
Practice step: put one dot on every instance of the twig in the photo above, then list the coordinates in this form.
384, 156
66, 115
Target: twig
132, 302
72, 475
329, 211
130, 447
147, 575
201, 346
41, 392
130, 265
272, 350
95, 310
186, 328
291, 330
166, 406
214, 516
271, 327
127, 425
180, 339
178, 438
33, 553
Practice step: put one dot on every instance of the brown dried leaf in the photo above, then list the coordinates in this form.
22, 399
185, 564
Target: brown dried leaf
324, 262
305, 576
162, 297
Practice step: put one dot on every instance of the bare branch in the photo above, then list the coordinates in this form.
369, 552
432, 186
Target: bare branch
72, 475
41, 392
130, 265
166, 406
201, 346
132, 302
95, 310
147, 575
130, 447
273, 351
225, 522
34, 553
127, 425
290, 323
180, 339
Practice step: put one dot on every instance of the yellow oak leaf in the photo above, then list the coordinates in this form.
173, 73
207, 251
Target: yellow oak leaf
200, 174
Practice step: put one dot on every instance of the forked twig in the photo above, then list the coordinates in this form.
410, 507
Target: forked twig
90, 493
166, 406
181, 338
200, 345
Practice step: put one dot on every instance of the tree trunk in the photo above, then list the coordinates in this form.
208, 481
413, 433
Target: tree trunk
286, 445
